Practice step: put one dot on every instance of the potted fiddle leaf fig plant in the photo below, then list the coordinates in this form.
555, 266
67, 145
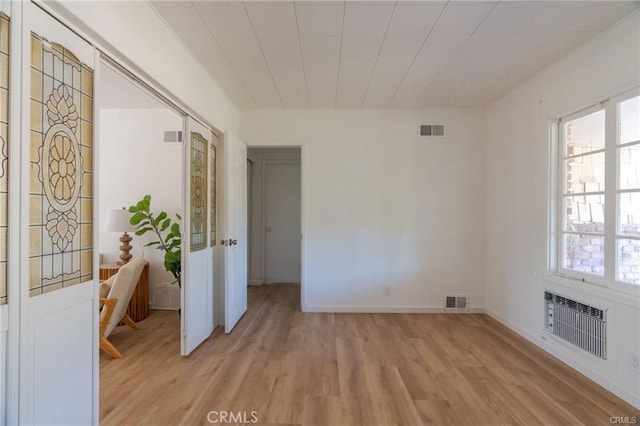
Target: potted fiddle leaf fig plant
166, 232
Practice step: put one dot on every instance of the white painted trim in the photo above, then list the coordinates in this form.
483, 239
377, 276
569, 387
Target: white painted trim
4, 328
22, 252
303, 226
14, 268
553, 239
391, 309
596, 290
551, 347
4, 318
97, 208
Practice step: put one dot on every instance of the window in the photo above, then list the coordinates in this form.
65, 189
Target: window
599, 193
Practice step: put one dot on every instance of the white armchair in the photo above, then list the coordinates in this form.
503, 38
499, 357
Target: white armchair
115, 294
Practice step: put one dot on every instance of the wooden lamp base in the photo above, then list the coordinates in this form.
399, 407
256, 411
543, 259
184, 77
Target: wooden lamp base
125, 256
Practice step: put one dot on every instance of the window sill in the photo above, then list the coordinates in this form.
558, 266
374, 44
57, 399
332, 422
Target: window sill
623, 295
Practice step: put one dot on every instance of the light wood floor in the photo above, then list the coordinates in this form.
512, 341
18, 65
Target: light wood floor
345, 369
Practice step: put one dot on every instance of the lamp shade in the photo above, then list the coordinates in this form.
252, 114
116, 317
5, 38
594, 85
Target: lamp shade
118, 221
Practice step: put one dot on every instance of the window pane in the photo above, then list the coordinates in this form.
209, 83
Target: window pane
585, 174
630, 167
629, 261
629, 214
629, 116
584, 253
584, 214
584, 134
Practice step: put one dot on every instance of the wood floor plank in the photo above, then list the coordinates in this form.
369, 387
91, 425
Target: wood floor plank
295, 368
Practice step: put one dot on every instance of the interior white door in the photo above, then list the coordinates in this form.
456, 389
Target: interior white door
58, 312
235, 230
282, 219
197, 285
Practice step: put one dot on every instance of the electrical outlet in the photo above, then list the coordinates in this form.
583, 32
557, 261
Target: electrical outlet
635, 362
386, 291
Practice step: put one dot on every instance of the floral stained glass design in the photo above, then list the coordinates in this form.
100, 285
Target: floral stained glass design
61, 169
198, 191
213, 237
4, 134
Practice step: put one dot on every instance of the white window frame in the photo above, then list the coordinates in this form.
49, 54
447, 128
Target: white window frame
611, 196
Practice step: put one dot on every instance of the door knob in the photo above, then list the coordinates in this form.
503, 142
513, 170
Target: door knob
224, 242
233, 242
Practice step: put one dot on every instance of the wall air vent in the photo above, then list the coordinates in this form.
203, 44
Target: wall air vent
456, 302
431, 130
173, 136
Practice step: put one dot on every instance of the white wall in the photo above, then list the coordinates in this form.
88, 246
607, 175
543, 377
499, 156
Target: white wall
517, 203
134, 31
383, 206
256, 225
134, 161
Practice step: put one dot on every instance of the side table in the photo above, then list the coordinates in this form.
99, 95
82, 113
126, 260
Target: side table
139, 305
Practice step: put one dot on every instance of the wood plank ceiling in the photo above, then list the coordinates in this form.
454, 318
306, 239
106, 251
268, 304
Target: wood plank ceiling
380, 54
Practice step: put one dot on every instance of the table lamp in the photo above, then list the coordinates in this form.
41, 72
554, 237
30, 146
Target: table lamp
118, 221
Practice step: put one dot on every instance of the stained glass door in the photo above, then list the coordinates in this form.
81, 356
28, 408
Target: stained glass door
58, 312
198, 266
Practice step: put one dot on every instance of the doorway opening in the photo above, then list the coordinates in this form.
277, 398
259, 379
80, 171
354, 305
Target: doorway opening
139, 141
275, 216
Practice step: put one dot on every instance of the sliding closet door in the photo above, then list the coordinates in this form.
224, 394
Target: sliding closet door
5, 53
197, 250
58, 311
235, 230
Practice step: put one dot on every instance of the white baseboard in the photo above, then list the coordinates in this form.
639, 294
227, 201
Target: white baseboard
550, 348
391, 309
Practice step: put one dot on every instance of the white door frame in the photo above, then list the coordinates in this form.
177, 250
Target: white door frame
12, 308
303, 205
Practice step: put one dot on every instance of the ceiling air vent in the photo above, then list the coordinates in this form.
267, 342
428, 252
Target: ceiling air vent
173, 136
431, 130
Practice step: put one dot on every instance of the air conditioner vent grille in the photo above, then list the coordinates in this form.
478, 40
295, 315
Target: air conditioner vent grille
575, 306
581, 325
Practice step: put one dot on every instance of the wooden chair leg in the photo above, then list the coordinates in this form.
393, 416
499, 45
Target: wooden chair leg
106, 346
128, 321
